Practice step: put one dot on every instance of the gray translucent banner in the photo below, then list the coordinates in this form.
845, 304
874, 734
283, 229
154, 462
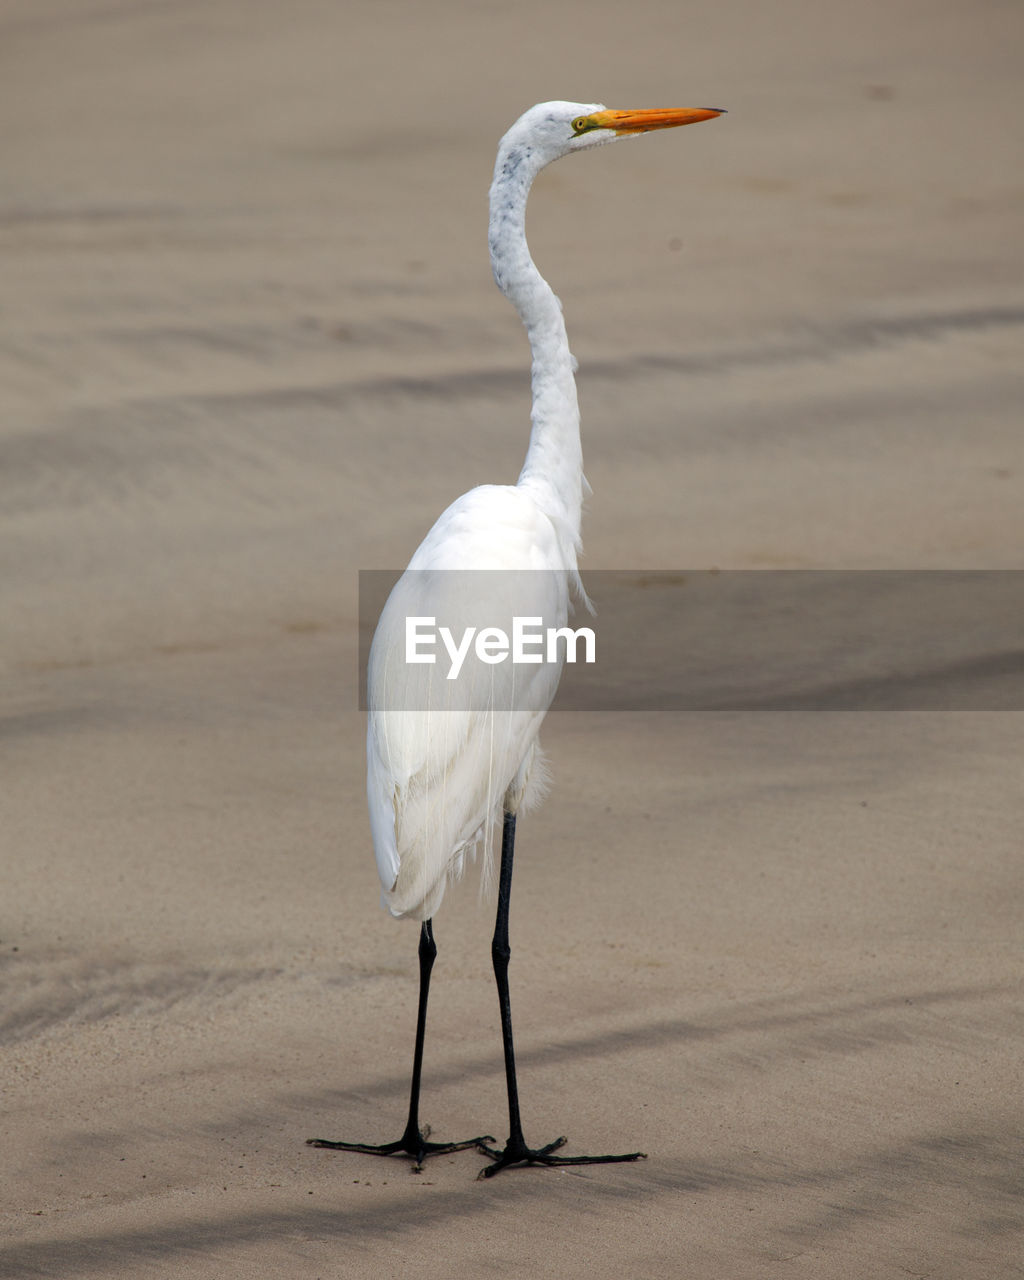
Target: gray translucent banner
700, 640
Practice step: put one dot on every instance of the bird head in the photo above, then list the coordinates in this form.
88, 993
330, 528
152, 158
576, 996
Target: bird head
554, 129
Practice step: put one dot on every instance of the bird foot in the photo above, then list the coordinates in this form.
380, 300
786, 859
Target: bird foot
412, 1143
517, 1152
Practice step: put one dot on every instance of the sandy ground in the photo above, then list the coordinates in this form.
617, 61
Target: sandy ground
249, 345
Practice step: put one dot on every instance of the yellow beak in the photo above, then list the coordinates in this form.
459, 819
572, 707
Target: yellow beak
653, 118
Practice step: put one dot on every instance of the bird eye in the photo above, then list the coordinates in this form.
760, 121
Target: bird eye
581, 124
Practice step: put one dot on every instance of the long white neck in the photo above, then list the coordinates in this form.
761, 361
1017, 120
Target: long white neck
553, 471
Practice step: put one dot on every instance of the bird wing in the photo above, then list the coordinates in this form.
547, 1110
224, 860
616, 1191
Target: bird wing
442, 753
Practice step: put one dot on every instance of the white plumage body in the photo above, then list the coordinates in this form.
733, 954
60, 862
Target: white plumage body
437, 780
444, 758
444, 762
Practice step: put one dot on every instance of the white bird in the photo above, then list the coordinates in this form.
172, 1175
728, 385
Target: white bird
447, 758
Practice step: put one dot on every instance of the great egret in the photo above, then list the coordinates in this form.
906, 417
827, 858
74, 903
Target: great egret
442, 765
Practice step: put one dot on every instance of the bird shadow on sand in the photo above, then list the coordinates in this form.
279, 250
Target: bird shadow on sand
772, 1028
980, 1172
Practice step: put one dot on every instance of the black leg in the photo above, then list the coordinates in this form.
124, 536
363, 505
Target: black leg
516, 1151
413, 1141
